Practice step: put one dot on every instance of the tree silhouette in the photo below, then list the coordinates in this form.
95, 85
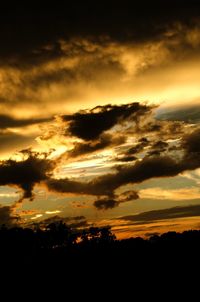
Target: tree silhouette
59, 244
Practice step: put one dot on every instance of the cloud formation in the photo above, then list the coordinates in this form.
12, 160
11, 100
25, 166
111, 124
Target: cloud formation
24, 174
171, 213
137, 172
104, 141
191, 143
12, 141
105, 204
7, 217
90, 124
7, 121
32, 28
90, 69
110, 203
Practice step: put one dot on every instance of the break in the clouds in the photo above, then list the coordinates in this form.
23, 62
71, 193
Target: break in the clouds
187, 113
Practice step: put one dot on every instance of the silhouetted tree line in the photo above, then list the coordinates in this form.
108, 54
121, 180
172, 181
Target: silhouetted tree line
58, 244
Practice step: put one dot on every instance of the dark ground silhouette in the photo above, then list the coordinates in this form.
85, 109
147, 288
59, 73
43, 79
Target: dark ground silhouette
93, 264
59, 245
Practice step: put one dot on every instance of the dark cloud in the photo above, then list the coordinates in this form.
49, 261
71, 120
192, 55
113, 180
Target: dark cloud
7, 217
152, 126
139, 147
110, 203
25, 173
158, 147
161, 145
104, 141
90, 124
191, 142
107, 184
67, 185
161, 128
7, 121
27, 29
125, 158
100, 186
171, 213
105, 204
128, 155
140, 171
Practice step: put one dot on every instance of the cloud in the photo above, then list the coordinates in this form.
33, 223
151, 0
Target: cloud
105, 204
171, 213
173, 194
67, 185
128, 196
24, 174
143, 169
32, 29
7, 121
94, 69
143, 142
84, 59
107, 184
125, 158
158, 147
191, 142
153, 125
140, 171
90, 124
76, 63
109, 203
7, 217
103, 142
36, 168
10, 140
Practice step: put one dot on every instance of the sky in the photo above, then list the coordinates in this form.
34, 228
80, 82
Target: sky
99, 115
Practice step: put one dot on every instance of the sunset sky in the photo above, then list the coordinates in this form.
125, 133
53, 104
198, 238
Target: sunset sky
100, 115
